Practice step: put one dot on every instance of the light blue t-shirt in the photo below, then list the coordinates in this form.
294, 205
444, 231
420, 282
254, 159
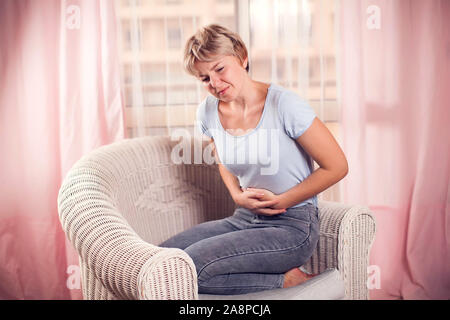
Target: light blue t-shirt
266, 157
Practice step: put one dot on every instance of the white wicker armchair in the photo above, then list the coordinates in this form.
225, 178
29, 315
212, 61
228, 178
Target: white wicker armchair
119, 200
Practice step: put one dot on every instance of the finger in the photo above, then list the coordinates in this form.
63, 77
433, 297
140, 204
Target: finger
256, 190
258, 194
268, 203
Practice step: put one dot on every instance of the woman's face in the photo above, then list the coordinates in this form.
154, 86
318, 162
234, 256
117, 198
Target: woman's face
223, 77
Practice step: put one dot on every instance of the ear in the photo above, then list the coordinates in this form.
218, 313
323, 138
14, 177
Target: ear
245, 63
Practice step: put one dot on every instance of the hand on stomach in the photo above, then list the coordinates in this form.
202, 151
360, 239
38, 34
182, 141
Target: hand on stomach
259, 201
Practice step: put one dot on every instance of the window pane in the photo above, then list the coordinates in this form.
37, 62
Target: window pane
292, 44
153, 36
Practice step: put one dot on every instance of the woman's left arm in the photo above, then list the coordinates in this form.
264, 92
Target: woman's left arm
320, 144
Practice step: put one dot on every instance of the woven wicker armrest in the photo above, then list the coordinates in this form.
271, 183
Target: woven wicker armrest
109, 250
347, 233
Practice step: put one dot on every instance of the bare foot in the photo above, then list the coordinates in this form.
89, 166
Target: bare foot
295, 277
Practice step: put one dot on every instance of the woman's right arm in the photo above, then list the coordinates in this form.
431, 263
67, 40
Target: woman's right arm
231, 182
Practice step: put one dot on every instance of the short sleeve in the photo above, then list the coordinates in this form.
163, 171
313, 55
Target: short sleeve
295, 114
202, 119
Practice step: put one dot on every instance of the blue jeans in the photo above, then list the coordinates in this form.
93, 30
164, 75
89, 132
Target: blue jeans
247, 252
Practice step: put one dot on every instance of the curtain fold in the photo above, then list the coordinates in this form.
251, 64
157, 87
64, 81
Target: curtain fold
59, 99
395, 74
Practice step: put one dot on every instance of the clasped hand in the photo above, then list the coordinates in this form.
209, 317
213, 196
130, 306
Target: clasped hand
259, 201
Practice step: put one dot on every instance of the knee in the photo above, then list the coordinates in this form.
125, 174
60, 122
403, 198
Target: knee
168, 244
174, 242
203, 277
200, 264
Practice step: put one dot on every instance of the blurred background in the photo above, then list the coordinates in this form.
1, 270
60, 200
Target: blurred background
290, 42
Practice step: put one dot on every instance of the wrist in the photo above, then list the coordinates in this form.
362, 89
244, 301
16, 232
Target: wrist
236, 195
281, 202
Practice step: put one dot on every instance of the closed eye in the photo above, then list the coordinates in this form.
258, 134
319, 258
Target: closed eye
206, 79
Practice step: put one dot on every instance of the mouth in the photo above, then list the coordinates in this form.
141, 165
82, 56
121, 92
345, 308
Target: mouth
223, 91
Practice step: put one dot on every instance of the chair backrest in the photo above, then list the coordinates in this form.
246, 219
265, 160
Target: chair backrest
157, 196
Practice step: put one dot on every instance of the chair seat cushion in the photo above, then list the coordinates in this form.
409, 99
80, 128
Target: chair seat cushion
326, 286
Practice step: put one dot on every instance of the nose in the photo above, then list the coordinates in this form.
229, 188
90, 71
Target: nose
214, 81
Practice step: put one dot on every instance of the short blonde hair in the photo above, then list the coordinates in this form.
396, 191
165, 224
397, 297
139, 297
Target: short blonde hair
210, 41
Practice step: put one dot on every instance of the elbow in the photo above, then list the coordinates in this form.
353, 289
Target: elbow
343, 170
339, 171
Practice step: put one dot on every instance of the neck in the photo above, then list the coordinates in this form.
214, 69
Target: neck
251, 94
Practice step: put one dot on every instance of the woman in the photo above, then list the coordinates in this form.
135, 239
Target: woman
274, 229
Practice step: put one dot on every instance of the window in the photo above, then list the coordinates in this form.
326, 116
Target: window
291, 42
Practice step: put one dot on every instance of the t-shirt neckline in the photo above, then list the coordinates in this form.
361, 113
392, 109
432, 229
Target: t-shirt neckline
252, 130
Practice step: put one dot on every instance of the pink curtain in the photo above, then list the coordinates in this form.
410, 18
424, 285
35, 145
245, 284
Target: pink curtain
59, 99
395, 100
